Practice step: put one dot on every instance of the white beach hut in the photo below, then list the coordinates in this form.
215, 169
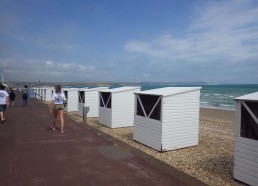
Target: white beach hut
167, 118
71, 95
33, 91
89, 98
48, 93
246, 139
116, 106
38, 96
42, 92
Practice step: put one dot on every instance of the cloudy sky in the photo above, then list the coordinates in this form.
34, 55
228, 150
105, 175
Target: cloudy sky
129, 40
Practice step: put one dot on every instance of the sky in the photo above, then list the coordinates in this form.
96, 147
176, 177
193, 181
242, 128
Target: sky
213, 41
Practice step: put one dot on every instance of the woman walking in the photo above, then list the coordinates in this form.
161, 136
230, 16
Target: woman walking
57, 105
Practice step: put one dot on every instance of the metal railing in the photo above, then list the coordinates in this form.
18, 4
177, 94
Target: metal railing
41, 97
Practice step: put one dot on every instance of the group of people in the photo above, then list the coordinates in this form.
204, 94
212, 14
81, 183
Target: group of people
7, 99
56, 105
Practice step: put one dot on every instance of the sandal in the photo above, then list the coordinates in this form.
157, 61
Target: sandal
61, 131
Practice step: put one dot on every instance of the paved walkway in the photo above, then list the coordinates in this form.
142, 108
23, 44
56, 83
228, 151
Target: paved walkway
31, 155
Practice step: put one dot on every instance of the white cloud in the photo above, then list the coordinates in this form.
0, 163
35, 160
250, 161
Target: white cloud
49, 63
221, 30
146, 75
45, 70
220, 41
225, 15
137, 46
53, 45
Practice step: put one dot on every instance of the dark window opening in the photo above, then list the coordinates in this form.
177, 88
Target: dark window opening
66, 94
249, 128
101, 101
148, 102
109, 102
106, 97
81, 96
139, 111
156, 112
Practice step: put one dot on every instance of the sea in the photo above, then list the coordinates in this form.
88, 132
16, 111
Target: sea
212, 96
219, 96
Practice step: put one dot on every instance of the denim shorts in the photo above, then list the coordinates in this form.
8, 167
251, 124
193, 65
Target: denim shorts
58, 107
2, 108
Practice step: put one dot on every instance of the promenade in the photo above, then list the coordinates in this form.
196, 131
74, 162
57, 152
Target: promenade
32, 155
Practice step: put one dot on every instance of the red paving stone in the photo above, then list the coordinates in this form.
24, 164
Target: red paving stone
31, 155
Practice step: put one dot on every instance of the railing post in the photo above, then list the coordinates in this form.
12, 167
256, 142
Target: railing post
85, 111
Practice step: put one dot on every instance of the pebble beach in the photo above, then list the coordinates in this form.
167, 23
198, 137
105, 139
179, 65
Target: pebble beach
211, 161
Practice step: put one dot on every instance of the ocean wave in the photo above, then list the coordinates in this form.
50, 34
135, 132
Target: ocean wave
204, 102
222, 97
206, 95
217, 94
217, 104
220, 108
226, 105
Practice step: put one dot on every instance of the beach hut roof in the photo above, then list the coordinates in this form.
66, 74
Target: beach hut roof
91, 89
50, 87
248, 97
119, 89
167, 91
82, 89
69, 89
